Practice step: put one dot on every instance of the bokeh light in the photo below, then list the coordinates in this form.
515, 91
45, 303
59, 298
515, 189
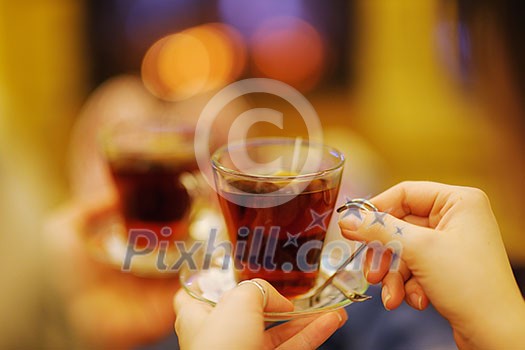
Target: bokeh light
194, 61
289, 49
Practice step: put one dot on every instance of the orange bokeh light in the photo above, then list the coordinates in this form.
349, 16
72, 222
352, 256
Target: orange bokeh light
193, 61
291, 50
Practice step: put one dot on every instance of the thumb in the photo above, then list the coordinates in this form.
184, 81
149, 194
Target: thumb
369, 226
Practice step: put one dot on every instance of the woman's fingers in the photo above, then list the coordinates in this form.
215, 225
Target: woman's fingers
415, 296
422, 221
377, 264
384, 231
390, 239
307, 333
276, 302
392, 277
238, 309
249, 295
190, 313
418, 198
393, 291
246, 299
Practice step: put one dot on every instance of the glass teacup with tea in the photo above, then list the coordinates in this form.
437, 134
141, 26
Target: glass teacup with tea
155, 175
277, 197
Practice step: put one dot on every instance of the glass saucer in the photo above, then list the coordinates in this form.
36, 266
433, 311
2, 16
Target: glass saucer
208, 286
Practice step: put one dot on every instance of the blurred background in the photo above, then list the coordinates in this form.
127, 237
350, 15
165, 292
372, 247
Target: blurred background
408, 89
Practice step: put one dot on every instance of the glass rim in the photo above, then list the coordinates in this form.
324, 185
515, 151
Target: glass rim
258, 141
109, 135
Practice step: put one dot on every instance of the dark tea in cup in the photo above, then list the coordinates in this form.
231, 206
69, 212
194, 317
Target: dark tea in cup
276, 217
152, 165
291, 265
153, 196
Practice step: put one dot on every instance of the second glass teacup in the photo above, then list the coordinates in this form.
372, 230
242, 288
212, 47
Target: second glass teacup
277, 196
159, 197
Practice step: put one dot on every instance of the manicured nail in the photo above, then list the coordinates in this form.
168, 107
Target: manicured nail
350, 222
416, 301
385, 295
341, 321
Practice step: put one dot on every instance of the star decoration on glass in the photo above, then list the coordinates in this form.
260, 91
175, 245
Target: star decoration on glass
292, 240
399, 231
378, 218
318, 220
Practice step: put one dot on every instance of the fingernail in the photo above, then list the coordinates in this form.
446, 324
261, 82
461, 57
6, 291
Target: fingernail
416, 300
350, 223
341, 321
385, 295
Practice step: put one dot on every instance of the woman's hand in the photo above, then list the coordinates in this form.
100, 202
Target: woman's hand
452, 254
237, 321
104, 308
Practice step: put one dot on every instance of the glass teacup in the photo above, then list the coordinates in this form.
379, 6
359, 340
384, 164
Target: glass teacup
277, 196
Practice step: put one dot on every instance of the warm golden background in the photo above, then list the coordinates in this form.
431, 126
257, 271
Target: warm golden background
409, 89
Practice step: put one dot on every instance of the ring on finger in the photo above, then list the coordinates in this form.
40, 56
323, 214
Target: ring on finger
260, 287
